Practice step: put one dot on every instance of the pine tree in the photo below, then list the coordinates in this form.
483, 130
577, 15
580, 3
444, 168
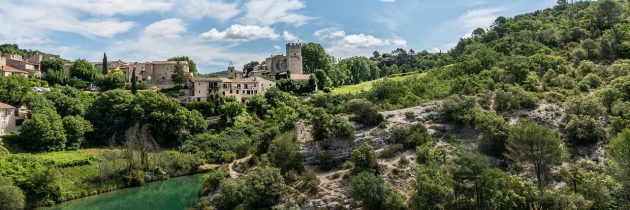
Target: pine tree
134, 81
105, 67
178, 77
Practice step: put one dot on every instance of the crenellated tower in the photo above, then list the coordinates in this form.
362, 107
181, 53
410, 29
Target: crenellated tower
294, 58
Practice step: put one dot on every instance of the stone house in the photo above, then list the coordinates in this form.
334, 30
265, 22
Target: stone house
7, 118
15, 64
155, 73
199, 89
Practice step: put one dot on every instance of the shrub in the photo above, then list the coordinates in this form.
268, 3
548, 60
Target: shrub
514, 97
410, 136
584, 130
212, 179
373, 193
364, 159
364, 111
262, 187
409, 115
284, 153
325, 160
587, 106
457, 108
11, 196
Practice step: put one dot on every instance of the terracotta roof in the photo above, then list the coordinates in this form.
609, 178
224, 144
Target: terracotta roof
183, 63
6, 106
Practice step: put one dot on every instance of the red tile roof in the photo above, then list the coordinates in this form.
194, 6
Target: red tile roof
6, 106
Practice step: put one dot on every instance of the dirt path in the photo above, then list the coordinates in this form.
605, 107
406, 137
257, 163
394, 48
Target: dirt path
233, 173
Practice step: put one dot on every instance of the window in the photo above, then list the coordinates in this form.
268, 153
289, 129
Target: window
230, 91
238, 85
236, 91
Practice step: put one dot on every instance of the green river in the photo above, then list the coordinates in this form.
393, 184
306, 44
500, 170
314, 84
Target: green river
176, 193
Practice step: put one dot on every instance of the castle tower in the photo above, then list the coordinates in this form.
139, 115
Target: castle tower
294, 58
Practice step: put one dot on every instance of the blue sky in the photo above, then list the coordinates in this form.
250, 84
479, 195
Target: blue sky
215, 32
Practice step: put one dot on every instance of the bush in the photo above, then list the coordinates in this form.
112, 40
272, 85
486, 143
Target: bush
457, 108
364, 159
212, 179
514, 97
584, 106
263, 187
409, 115
364, 111
371, 190
584, 130
43, 131
11, 196
284, 153
325, 160
42, 187
410, 136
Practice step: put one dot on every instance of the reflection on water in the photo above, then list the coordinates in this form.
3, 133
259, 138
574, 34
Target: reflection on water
177, 193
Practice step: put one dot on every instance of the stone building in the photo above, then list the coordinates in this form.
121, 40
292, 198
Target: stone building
277, 64
200, 88
155, 73
7, 118
14, 64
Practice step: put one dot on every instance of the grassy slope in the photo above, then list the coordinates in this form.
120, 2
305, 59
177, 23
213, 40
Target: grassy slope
365, 86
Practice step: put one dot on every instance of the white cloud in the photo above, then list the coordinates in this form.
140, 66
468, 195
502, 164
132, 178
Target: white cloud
269, 12
388, 1
215, 9
478, 18
329, 33
239, 32
288, 36
170, 28
366, 41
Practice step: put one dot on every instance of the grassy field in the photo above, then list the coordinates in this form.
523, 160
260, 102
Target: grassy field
365, 86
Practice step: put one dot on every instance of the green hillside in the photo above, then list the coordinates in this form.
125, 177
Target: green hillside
366, 86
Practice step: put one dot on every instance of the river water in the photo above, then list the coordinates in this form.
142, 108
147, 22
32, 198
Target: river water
176, 194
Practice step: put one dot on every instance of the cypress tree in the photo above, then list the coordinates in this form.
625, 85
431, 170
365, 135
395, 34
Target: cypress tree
134, 80
105, 68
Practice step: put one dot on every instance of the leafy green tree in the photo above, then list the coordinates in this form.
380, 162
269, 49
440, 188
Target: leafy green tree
249, 67
535, 145
285, 154
83, 70
263, 187
178, 77
364, 159
373, 193
134, 82
584, 130
52, 64
619, 154
11, 196
105, 69
43, 131
323, 81
13, 89
230, 194
67, 101
257, 105
609, 12
587, 178
433, 188
109, 114
231, 110
584, 106
76, 127
54, 77
314, 57
115, 79
192, 66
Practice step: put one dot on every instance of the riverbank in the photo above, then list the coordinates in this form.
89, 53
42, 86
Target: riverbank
50, 178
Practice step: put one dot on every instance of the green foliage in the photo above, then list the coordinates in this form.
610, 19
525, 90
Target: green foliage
11, 196
410, 136
364, 159
76, 127
219, 148
432, 188
584, 130
83, 70
364, 112
373, 193
326, 126
285, 154
230, 110
619, 154
191, 64
458, 108
179, 76
213, 178
263, 187
114, 79
514, 97
13, 89
587, 178
249, 67
535, 145
43, 131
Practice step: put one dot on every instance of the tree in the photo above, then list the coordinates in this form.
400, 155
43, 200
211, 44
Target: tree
191, 64
13, 89
83, 70
285, 154
110, 115
76, 127
249, 67
373, 193
609, 12
535, 145
433, 188
364, 159
314, 57
584, 130
231, 110
263, 187
43, 131
11, 196
134, 82
178, 77
323, 81
115, 79
619, 153
105, 68
52, 64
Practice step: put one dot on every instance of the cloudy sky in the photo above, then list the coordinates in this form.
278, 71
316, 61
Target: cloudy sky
215, 32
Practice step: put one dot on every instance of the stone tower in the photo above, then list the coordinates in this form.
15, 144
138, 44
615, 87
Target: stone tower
294, 58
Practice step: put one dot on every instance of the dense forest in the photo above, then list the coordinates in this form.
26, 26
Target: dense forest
530, 113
